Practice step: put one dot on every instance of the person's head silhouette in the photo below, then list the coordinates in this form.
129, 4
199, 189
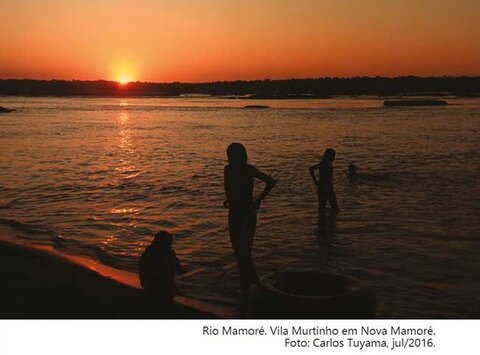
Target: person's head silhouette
163, 239
237, 154
328, 155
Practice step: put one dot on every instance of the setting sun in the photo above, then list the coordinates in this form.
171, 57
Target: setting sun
123, 80
124, 71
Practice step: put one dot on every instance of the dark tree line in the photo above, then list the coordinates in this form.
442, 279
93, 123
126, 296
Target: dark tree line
322, 87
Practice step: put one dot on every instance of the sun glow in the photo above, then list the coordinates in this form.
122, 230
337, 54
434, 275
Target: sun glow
123, 80
124, 72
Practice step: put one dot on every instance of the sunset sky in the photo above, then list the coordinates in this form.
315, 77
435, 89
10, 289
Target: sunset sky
206, 40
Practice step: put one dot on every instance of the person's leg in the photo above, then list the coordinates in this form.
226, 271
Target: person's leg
243, 271
333, 202
237, 229
251, 229
234, 229
252, 271
322, 202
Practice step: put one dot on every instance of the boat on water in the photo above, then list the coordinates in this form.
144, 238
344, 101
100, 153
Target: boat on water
256, 107
5, 110
285, 96
414, 102
312, 294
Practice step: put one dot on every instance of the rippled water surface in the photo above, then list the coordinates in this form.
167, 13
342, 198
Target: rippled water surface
99, 177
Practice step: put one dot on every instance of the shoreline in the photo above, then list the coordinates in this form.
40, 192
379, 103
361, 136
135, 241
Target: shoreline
40, 282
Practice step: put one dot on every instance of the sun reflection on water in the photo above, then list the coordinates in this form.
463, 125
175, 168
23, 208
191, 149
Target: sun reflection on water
132, 210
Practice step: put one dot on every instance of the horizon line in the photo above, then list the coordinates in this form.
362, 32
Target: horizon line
252, 80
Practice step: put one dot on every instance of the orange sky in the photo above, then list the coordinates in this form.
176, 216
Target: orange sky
206, 40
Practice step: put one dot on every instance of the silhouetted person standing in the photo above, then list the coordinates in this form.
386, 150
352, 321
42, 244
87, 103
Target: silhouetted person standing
324, 183
158, 265
242, 210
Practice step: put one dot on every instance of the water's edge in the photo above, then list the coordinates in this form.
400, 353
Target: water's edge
121, 276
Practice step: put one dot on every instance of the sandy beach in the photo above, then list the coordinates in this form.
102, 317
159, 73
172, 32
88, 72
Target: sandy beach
42, 284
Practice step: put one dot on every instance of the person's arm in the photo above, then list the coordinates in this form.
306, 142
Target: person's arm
312, 173
269, 184
178, 266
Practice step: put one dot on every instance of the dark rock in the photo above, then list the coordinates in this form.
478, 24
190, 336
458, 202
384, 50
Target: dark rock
415, 102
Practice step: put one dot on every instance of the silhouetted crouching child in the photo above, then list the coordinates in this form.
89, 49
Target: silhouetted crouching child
158, 265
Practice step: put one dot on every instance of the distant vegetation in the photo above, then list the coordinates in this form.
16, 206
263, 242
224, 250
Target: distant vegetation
260, 89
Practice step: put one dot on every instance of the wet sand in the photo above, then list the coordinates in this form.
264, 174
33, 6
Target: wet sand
39, 283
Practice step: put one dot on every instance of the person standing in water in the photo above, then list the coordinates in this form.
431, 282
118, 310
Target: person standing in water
324, 183
239, 179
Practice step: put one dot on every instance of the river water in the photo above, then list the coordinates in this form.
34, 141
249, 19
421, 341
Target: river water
98, 177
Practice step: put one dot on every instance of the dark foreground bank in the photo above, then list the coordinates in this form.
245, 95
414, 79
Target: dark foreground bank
41, 284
